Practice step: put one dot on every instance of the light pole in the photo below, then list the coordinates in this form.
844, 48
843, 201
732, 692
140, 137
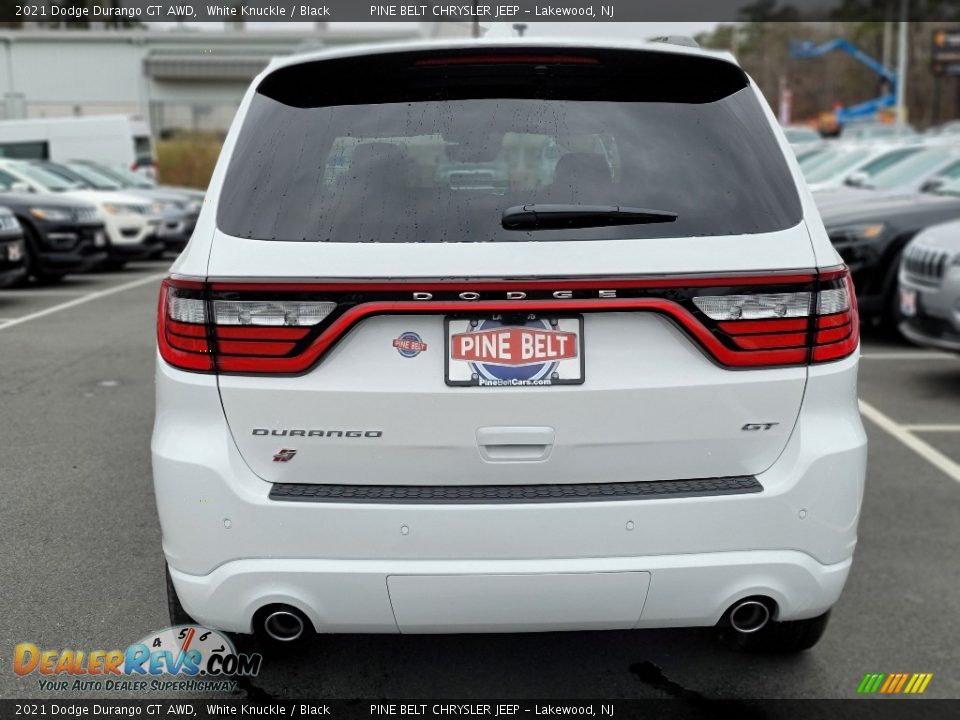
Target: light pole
902, 67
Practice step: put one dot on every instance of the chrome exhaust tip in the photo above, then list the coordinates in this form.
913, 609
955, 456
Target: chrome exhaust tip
284, 625
749, 616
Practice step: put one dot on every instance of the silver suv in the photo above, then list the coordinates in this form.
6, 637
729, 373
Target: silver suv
930, 287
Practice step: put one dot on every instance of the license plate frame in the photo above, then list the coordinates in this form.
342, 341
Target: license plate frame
564, 371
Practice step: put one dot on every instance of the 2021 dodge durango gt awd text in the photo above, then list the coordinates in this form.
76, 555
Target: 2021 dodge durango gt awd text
508, 337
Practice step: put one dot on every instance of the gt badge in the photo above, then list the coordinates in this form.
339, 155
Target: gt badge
285, 455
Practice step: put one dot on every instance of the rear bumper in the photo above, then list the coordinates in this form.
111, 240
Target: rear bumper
72, 261
232, 549
366, 596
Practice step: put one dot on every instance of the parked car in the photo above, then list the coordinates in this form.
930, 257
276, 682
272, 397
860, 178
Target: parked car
923, 170
178, 206
130, 222
870, 236
619, 396
856, 165
61, 235
13, 256
178, 215
930, 288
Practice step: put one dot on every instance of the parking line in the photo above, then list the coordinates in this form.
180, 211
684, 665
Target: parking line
901, 433
932, 428
918, 355
30, 292
81, 300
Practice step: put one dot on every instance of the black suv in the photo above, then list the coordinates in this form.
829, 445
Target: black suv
870, 235
61, 236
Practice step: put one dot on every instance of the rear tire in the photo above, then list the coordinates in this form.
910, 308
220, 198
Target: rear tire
178, 615
781, 638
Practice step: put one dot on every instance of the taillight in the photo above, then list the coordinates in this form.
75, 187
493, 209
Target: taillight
286, 328
790, 327
182, 325
838, 324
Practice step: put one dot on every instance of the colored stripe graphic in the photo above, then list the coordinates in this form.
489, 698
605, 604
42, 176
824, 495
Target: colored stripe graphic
870, 683
894, 683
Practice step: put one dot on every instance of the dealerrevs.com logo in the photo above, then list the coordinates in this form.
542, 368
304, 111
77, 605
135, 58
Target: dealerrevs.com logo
184, 657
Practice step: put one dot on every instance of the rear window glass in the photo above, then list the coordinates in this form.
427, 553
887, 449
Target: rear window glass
415, 148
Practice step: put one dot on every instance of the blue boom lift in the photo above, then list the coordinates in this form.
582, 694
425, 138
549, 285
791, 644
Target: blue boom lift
807, 49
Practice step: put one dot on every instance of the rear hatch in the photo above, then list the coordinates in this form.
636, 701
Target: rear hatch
509, 266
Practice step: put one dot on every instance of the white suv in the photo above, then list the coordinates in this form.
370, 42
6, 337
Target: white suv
613, 391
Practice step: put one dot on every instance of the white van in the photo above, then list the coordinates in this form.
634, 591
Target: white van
108, 139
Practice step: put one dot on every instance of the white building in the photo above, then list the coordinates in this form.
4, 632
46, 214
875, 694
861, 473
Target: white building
177, 79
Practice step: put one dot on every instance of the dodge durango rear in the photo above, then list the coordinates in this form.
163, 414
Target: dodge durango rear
508, 337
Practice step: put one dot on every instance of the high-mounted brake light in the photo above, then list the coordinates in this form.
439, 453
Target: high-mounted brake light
748, 321
507, 59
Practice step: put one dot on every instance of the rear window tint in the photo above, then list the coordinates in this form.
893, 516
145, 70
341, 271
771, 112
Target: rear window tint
427, 148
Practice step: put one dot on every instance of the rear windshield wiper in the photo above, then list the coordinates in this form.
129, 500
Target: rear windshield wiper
552, 217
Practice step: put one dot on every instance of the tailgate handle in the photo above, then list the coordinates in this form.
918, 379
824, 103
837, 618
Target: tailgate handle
515, 444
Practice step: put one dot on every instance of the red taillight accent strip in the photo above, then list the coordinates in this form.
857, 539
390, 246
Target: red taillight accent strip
248, 332
833, 335
257, 349
684, 318
750, 327
186, 329
192, 345
829, 321
518, 59
267, 349
833, 273
763, 342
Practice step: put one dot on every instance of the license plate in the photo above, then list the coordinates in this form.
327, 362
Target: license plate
15, 252
514, 351
908, 303
99, 239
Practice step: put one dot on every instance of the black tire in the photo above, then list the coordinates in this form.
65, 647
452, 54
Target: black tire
178, 616
890, 315
112, 265
782, 638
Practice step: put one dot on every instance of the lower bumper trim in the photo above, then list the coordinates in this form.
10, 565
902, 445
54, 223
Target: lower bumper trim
485, 494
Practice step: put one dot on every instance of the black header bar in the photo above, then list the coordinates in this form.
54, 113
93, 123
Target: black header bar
510, 11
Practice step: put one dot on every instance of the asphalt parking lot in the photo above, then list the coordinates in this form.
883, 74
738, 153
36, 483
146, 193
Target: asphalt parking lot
81, 566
